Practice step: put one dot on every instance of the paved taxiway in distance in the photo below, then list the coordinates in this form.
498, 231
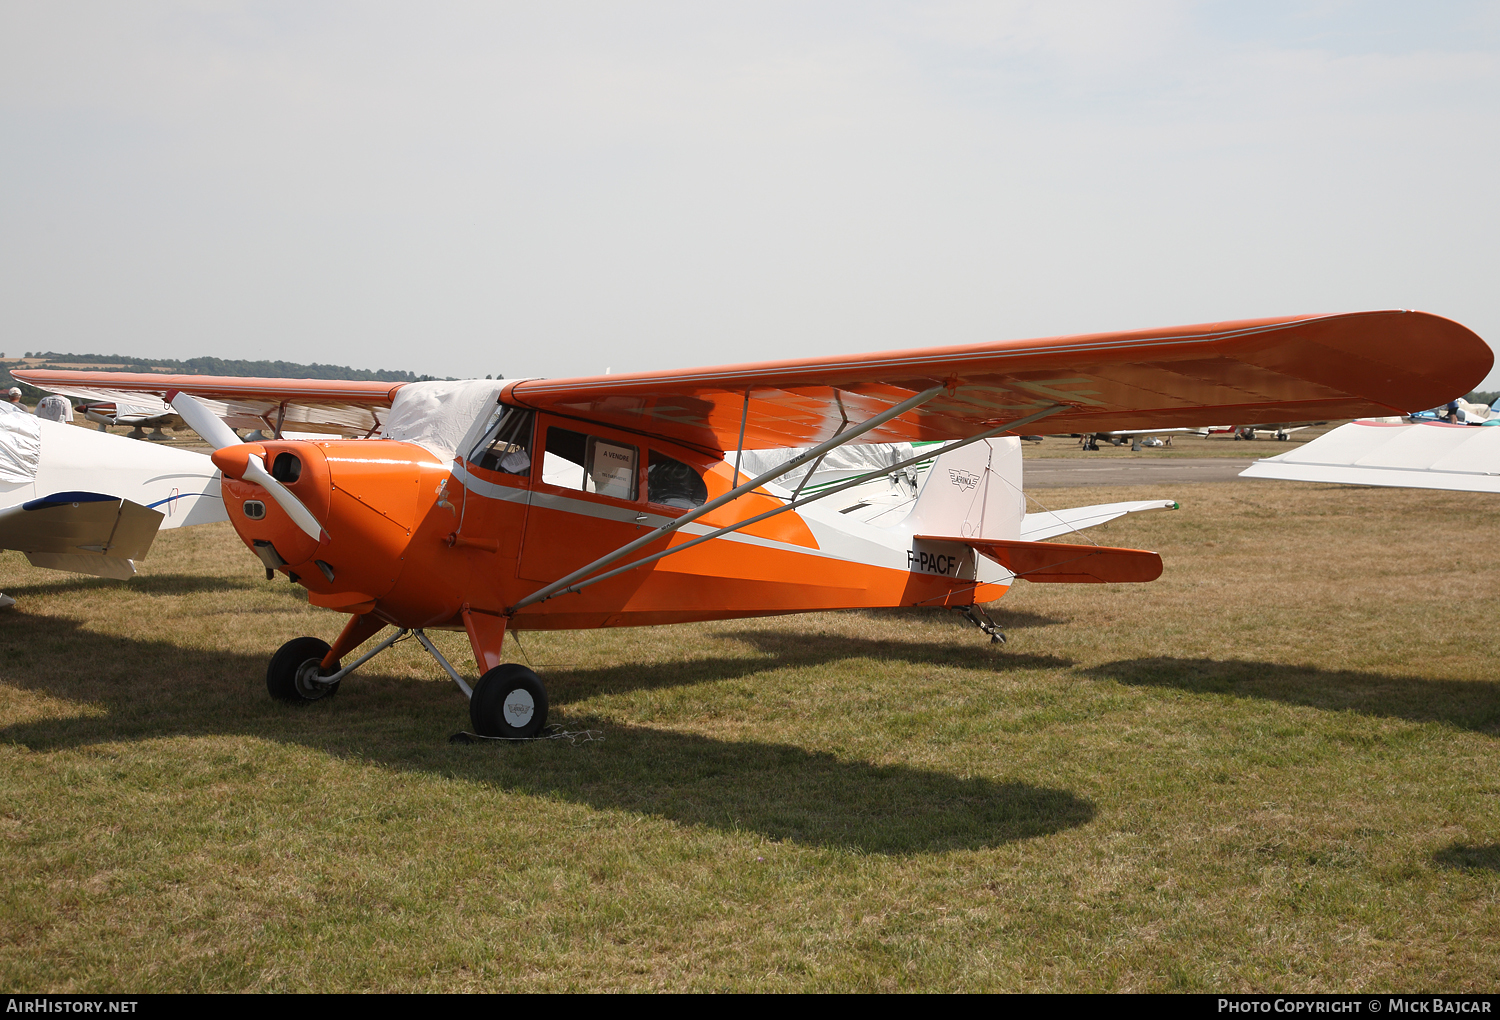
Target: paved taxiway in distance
1043, 473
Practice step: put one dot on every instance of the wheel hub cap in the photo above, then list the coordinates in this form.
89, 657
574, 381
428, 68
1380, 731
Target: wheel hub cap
308, 684
519, 708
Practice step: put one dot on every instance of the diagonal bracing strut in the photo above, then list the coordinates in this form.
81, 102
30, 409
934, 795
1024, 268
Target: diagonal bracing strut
400, 633
878, 420
859, 480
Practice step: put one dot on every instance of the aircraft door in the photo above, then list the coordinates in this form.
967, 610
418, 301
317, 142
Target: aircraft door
486, 524
586, 498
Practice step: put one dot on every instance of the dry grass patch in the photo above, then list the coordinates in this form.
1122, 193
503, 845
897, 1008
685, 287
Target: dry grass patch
1271, 769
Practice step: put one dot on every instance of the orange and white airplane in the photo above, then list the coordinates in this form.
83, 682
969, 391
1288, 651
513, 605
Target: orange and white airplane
617, 500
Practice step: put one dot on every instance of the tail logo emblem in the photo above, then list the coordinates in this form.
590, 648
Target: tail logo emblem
965, 480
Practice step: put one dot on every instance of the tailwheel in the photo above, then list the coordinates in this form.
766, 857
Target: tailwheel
508, 701
294, 671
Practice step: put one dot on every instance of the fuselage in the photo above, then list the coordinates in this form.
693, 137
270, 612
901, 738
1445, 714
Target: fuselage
415, 539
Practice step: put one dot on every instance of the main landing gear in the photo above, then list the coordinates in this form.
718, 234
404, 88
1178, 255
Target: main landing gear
296, 672
508, 701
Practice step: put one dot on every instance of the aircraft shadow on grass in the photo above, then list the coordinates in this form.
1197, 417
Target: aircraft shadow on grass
1006, 619
153, 690
1466, 704
783, 649
1469, 857
151, 584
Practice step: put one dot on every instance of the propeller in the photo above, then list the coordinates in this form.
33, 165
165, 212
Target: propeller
248, 464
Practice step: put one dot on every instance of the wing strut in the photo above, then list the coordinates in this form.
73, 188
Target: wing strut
739, 450
567, 585
666, 529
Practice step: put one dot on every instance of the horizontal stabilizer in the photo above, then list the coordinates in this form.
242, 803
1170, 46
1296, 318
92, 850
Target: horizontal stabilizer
1054, 563
1051, 523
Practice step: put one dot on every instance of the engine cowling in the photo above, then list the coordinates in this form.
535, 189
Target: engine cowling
370, 496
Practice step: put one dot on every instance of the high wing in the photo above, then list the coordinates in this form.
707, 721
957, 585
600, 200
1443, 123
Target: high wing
336, 407
1312, 367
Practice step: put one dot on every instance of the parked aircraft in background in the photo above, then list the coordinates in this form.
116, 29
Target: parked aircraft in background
1090, 440
624, 500
1461, 412
1282, 431
107, 414
72, 499
1278, 430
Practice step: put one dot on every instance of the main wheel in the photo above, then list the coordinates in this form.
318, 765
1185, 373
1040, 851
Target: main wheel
290, 675
508, 701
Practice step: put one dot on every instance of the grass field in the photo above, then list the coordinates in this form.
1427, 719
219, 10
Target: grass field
1272, 769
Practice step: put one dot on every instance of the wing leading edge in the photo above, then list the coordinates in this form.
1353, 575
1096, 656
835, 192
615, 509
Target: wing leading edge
1311, 367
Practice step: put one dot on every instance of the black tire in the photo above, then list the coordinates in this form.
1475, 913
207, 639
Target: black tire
289, 675
501, 699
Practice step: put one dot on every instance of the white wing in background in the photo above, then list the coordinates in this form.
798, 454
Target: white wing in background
1462, 458
89, 502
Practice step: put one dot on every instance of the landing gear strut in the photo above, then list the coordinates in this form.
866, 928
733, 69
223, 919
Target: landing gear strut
979, 618
508, 701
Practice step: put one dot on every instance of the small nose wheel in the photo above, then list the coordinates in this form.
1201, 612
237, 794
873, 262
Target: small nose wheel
295, 671
508, 701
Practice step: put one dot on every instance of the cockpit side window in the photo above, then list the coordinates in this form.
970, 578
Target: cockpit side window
506, 447
670, 482
575, 460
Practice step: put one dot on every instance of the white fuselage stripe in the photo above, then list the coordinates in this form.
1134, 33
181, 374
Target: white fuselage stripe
896, 556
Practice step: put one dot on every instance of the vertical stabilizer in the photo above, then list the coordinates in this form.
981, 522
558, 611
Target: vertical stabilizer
974, 492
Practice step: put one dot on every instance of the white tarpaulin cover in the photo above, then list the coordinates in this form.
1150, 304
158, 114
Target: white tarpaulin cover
20, 447
437, 416
1464, 458
842, 462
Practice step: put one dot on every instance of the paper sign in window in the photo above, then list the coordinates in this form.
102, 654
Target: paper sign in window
611, 469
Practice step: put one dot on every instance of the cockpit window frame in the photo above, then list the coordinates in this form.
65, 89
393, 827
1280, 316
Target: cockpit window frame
514, 426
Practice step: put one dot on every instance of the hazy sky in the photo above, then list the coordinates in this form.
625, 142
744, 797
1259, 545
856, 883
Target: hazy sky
557, 188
